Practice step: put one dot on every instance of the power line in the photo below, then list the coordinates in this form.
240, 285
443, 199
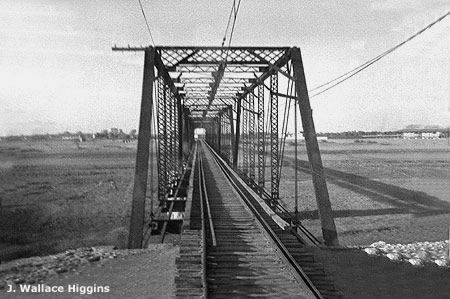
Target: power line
146, 22
228, 25
368, 63
233, 13
234, 20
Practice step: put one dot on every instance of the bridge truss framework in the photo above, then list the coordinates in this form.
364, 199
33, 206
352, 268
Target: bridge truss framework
225, 91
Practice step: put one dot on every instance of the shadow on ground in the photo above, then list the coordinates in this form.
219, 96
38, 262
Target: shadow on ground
403, 200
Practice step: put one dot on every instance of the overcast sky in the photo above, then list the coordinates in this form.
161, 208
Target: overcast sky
57, 70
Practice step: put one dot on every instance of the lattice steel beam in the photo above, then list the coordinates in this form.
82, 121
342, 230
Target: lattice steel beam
211, 68
162, 139
274, 157
251, 137
245, 142
279, 63
261, 138
172, 56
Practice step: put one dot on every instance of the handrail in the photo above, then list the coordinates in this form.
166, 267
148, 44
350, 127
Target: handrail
164, 228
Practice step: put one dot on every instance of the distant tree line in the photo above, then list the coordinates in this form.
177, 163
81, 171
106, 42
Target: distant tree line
355, 134
113, 133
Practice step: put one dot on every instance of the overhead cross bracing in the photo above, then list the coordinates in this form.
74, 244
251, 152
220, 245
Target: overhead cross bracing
217, 76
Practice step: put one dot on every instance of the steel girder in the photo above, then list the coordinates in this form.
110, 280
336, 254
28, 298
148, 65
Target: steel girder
245, 141
228, 76
169, 132
162, 139
251, 138
274, 178
174, 56
261, 138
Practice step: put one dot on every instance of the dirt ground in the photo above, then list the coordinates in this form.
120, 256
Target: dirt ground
57, 195
392, 190
359, 275
149, 273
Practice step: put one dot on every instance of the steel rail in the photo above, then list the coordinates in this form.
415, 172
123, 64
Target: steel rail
204, 196
203, 226
267, 227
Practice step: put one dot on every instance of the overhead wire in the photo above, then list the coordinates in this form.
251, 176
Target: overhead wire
228, 25
340, 79
146, 22
289, 91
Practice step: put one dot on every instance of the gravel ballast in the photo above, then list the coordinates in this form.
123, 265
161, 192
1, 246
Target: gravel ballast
37, 270
417, 254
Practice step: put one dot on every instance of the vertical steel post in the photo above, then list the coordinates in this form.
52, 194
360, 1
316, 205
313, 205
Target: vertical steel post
219, 135
187, 132
174, 135
245, 142
162, 140
261, 137
274, 158
169, 136
230, 115
312, 147
181, 131
237, 135
295, 163
251, 138
142, 156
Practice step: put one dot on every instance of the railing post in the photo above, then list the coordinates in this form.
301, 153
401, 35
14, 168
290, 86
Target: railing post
142, 156
312, 147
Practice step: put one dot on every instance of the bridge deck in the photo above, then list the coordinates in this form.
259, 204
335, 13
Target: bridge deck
244, 261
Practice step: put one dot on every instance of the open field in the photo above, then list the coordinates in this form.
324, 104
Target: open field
393, 190
57, 195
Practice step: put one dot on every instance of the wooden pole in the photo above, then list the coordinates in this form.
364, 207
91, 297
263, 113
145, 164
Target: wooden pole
142, 156
312, 147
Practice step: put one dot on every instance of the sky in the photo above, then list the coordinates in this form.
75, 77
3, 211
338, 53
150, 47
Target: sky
58, 73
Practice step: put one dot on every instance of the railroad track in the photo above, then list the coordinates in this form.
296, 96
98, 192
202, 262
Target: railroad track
244, 252
243, 255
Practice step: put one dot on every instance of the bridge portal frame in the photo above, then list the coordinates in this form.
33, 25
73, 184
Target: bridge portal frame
214, 96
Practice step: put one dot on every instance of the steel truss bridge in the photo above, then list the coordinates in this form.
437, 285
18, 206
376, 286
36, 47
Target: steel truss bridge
234, 93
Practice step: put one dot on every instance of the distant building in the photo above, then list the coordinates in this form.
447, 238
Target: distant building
291, 136
428, 133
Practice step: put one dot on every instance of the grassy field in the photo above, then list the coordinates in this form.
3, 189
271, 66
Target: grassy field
58, 194
393, 190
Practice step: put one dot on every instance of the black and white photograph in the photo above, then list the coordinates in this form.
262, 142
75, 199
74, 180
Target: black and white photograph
225, 149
